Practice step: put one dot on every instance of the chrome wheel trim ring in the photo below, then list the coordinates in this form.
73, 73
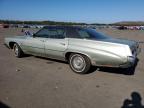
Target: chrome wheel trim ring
16, 50
77, 63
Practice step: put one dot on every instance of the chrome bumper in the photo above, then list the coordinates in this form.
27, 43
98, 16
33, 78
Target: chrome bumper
131, 60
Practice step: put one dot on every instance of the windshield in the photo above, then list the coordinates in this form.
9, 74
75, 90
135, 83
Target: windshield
96, 35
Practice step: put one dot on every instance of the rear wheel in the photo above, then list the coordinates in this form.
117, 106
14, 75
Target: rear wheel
17, 50
79, 63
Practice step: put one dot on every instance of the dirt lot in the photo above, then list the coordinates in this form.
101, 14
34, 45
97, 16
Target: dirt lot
33, 82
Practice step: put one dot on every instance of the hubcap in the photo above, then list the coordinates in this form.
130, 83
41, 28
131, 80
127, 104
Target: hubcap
16, 50
78, 63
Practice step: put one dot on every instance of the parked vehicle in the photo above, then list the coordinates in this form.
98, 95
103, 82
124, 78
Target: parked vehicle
81, 47
122, 28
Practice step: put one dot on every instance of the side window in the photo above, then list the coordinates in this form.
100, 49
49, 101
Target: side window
42, 33
51, 33
72, 33
57, 33
83, 33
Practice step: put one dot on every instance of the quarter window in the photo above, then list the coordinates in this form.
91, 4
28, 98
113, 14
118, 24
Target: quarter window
83, 34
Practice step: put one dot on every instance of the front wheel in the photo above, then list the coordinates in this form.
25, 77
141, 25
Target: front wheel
17, 50
79, 63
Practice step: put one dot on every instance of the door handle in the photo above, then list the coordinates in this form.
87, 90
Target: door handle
62, 44
42, 40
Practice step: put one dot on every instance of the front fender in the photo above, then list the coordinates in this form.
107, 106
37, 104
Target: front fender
7, 41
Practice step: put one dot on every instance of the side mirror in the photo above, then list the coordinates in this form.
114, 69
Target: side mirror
33, 35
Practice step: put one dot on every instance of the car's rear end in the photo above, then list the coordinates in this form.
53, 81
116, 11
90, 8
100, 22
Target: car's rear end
135, 50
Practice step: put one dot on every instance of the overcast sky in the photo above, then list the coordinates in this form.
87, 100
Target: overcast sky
88, 11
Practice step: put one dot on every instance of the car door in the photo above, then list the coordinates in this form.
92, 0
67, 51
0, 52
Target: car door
35, 44
56, 43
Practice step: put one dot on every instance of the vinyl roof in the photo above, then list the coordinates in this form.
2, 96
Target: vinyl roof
60, 26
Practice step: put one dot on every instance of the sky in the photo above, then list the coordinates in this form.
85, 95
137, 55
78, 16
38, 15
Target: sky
87, 11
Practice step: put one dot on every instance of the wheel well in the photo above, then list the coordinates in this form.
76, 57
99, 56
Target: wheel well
67, 55
11, 44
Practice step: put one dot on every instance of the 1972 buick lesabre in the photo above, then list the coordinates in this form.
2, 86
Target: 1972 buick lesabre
81, 47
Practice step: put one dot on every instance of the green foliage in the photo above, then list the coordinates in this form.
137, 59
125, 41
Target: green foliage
124, 23
39, 22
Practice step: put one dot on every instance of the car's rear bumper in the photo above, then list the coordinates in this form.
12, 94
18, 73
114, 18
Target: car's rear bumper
131, 60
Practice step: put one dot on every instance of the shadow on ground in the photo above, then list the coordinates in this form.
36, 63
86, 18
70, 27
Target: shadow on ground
124, 71
134, 102
51, 61
2, 105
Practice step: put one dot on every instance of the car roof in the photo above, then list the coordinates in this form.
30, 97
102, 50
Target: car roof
66, 27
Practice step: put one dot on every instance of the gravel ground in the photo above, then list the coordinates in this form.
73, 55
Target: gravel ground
33, 82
